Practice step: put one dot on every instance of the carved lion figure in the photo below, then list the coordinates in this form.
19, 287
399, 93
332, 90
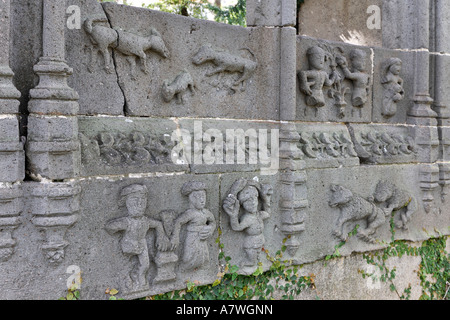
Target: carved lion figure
354, 208
396, 199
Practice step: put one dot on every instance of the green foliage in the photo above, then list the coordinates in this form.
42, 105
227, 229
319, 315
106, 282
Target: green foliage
281, 278
434, 270
234, 15
197, 9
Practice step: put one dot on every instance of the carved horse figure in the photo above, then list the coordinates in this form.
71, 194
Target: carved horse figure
353, 208
131, 45
226, 62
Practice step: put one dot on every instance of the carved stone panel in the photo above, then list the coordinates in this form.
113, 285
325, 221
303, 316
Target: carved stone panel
325, 145
383, 144
393, 80
222, 64
334, 81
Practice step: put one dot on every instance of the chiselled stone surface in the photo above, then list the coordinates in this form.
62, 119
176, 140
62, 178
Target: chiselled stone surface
224, 64
157, 144
334, 81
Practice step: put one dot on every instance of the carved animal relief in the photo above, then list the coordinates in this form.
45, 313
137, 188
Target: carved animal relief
374, 211
223, 63
248, 205
392, 86
178, 87
130, 45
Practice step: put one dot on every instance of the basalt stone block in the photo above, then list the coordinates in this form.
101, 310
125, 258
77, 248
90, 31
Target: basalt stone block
120, 145
393, 81
384, 144
90, 78
12, 157
326, 145
178, 218
211, 146
373, 200
170, 65
334, 81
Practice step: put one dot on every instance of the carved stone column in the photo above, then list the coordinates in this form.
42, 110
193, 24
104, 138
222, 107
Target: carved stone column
442, 90
54, 208
293, 204
53, 148
12, 157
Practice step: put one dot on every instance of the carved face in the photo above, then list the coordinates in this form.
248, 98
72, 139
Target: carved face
248, 198
136, 204
197, 199
316, 58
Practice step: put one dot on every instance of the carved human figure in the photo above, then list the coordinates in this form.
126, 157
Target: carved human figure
359, 77
393, 86
200, 225
246, 194
135, 226
312, 81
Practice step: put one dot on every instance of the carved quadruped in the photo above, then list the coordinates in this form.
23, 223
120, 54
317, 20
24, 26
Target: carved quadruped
54, 208
132, 46
11, 207
177, 87
226, 62
254, 200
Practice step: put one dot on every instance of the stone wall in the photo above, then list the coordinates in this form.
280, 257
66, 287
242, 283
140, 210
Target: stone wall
136, 140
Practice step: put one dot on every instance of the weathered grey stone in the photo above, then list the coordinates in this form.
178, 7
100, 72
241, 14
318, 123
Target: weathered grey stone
271, 13
330, 87
327, 146
346, 21
83, 54
382, 144
218, 83
120, 145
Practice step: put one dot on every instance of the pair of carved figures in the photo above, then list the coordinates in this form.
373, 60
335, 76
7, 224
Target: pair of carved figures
200, 225
323, 63
375, 210
313, 81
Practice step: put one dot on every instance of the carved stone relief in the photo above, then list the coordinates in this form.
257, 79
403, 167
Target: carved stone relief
379, 146
329, 72
10, 210
134, 227
254, 200
375, 210
392, 85
226, 62
177, 87
181, 240
118, 149
55, 209
324, 145
131, 45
